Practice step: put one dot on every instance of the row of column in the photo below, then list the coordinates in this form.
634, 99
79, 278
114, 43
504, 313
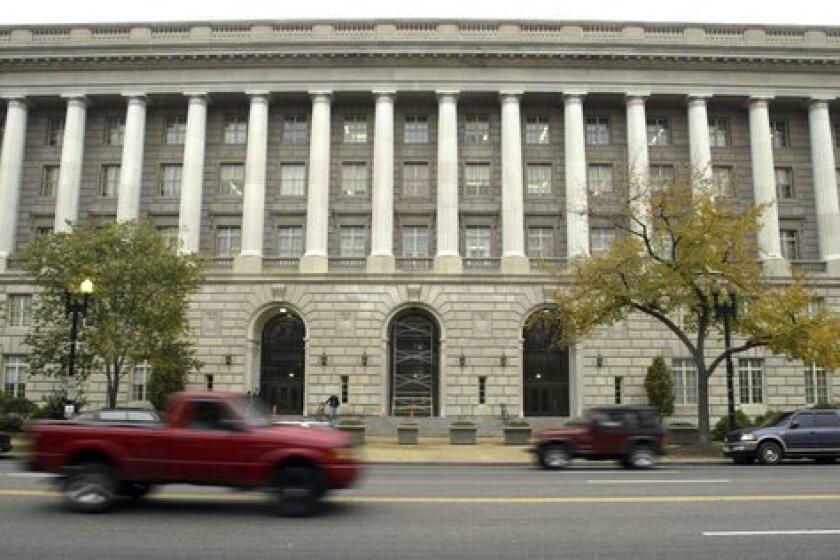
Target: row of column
447, 258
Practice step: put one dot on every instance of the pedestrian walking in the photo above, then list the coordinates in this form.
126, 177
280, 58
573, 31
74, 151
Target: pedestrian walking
332, 404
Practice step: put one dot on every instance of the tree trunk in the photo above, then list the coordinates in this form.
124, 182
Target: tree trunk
113, 389
702, 399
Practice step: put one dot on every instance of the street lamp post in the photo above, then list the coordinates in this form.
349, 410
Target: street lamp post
74, 307
727, 311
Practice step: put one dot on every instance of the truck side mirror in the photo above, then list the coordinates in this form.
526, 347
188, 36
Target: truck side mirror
794, 425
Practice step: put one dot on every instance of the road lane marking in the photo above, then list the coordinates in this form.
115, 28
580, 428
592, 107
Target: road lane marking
763, 533
663, 481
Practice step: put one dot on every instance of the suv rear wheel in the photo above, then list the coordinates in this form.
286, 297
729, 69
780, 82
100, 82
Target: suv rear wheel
90, 487
555, 456
769, 453
640, 457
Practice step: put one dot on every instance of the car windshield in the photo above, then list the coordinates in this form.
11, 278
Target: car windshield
776, 419
254, 412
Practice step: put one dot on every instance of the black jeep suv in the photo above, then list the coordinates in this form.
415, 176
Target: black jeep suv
800, 434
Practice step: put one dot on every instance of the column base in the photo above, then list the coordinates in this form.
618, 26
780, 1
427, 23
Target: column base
314, 264
448, 264
381, 264
776, 267
516, 264
247, 264
832, 267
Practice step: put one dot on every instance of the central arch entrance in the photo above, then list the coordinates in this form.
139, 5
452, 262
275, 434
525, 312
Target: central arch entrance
282, 364
545, 373
414, 353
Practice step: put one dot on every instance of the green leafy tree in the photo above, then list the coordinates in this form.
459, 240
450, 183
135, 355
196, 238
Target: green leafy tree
170, 367
139, 304
659, 386
677, 251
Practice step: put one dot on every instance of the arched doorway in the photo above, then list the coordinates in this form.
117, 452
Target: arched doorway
282, 363
545, 373
414, 353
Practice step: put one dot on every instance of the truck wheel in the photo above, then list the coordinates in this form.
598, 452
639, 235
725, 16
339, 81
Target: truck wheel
134, 490
640, 457
90, 487
299, 490
555, 457
769, 453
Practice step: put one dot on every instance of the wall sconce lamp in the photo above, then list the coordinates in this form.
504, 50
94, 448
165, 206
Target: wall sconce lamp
462, 360
503, 359
323, 358
364, 358
599, 361
228, 360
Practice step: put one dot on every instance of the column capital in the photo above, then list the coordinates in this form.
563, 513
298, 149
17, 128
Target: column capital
134, 95
510, 94
76, 98
447, 94
759, 99
572, 92
321, 94
258, 94
196, 96
18, 101
384, 93
573, 97
636, 97
697, 98
818, 103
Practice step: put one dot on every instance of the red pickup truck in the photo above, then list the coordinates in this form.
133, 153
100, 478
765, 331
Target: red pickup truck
207, 438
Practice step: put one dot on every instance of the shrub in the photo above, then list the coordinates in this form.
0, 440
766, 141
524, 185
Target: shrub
659, 386
350, 421
722, 426
53, 407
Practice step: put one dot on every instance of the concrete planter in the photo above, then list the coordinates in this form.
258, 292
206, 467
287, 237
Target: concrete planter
407, 435
356, 432
462, 435
683, 435
517, 435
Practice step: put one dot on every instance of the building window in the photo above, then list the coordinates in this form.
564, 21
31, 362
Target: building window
169, 236
661, 175
416, 129
295, 130
790, 244
139, 379
114, 131
478, 242
482, 390
41, 231
477, 179
235, 129
658, 132
352, 241
170, 180
600, 239
290, 242
355, 129
228, 241
109, 181
292, 179
15, 374
49, 181
345, 388
751, 380
780, 134
415, 242
538, 178
784, 183
722, 181
176, 130
719, 133
231, 179
55, 131
19, 310
597, 131
816, 385
476, 130
416, 179
536, 129
354, 178
685, 381
618, 386
541, 242
600, 178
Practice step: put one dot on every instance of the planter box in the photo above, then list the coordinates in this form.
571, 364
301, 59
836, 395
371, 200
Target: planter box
517, 435
356, 433
683, 435
462, 435
407, 435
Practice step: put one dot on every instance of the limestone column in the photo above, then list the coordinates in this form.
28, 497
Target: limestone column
637, 158
192, 174
764, 187
577, 203
448, 258
253, 203
70, 173
11, 165
514, 260
381, 257
700, 151
825, 184
315, 258
131, 168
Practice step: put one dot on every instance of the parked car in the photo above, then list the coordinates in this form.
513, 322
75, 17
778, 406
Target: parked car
207, 438
807, 433
5, 442
632, 435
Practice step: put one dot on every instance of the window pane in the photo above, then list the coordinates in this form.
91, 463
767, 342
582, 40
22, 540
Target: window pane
170, 185
599, 178
354, 179
352, 241
176, 130
661, 175
476, 130
109, 181
536, 129
293, 179
597, 131
415, 242
290, 242
49, 181
169, 235
477, 179
415, 179
538, 178
722, 181
55, 131
228, 241
416, 129
719, 133
355, 129
19, 310
541, 242
231, 179
114, 131
295, 130
790, 244
235, 129
784, 183
600, 239
478, 242
779, 134
658, 132
15, 375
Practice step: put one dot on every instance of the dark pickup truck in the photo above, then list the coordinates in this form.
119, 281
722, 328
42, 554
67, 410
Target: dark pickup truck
208, 438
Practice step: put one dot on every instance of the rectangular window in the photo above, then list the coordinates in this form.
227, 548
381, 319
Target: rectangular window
295, 130
235, 129
538, 178
751, 380
55, 131
661, 175
784, 183
722, 181
658, 131
169, 236
19, 310
355, 129
290, 242
345, 388
482, 390
15, 374
780, 134
109, 181
719, 133
597, 131
541, 242
477, 179
416, 179
600, 239
476, 130
41, 231
228, 241
618, 383
790, 244
139, 379
115, 131
354, 178
176, 131
478, 242
208, 381
536, 129
292, 179
416, 129
231, 179
816, 385
415, 242
352, 241
170, 180
49, 181
600, 178
685, 381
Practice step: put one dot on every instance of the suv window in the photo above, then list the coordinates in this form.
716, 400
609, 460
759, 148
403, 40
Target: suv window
209, 415
806, 420
828, 420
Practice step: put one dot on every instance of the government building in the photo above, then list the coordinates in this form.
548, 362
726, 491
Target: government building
382, 205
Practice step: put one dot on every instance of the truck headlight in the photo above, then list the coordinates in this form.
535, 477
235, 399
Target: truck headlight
747, 437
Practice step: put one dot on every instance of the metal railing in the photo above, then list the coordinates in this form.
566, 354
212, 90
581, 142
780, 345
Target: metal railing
809, 266
411, 263
218, 263
548, 264
347, 262
482, 264
281, 263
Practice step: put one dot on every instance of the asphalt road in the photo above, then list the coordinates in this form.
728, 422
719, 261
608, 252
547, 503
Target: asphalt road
433, 512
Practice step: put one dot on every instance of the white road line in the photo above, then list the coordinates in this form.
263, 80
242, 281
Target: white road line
648, 481
763, 533
30, 475
613, 472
